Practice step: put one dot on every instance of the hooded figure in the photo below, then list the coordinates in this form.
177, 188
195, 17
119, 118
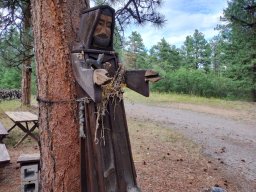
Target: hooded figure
106, 165
96, 22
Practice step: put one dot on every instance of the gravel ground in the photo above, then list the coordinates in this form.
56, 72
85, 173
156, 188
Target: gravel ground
229, 141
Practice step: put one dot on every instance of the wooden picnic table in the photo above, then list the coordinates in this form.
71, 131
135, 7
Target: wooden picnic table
22, 119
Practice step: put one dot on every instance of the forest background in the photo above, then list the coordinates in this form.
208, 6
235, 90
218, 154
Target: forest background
223, 67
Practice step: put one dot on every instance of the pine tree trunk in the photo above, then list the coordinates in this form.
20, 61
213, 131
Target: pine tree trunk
26, 83
55, 24
26, 66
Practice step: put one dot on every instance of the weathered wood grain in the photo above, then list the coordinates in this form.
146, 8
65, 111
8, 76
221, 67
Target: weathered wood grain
21, 116
29, 158
4, 155
3, 131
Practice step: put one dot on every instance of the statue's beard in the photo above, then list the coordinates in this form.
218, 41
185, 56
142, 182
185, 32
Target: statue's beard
101, 40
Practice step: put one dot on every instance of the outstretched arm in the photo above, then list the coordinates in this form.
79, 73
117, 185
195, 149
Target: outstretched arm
137, 80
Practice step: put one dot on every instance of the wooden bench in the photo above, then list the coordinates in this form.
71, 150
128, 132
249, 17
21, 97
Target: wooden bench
4, 155
3, 132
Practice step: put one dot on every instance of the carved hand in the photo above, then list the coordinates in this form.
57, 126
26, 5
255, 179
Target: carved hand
152, 76
100, 77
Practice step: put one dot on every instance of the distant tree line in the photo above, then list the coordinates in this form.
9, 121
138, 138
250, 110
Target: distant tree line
223, 67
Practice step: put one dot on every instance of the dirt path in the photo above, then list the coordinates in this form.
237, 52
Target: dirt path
231, 142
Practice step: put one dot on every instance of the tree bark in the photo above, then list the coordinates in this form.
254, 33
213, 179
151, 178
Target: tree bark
26, 66
55, 23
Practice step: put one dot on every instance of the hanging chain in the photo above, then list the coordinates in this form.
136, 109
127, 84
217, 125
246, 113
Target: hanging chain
81, 108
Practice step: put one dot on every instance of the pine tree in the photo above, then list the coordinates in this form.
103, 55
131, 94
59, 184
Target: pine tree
135, 52
16, 19
197, 51
165, 56
241, 18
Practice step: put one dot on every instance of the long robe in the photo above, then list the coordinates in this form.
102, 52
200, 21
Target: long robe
106, 165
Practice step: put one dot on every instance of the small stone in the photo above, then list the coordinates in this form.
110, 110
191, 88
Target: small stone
223, 149
217, 189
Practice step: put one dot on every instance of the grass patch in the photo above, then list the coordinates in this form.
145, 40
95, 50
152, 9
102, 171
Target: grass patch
12, 105
144, 132
16, 134
169, 98
9, 105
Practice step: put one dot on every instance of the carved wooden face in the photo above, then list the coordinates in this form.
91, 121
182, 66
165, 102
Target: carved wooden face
102, 33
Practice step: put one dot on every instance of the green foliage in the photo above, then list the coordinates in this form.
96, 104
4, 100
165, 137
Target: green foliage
135, 52
217, 69
240, 32
187, 53
218, 45
135, 43
10, 78
10, 49
165, 56
196, 52
197, 82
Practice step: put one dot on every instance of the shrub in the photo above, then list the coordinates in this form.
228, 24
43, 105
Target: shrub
197, 82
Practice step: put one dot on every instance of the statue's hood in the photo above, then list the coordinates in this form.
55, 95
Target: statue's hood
88, 22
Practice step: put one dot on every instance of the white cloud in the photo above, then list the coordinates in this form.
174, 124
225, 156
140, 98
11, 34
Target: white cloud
183, 17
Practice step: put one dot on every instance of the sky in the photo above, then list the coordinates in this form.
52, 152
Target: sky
183, 17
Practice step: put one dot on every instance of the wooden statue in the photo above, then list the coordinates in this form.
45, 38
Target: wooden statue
106, 158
